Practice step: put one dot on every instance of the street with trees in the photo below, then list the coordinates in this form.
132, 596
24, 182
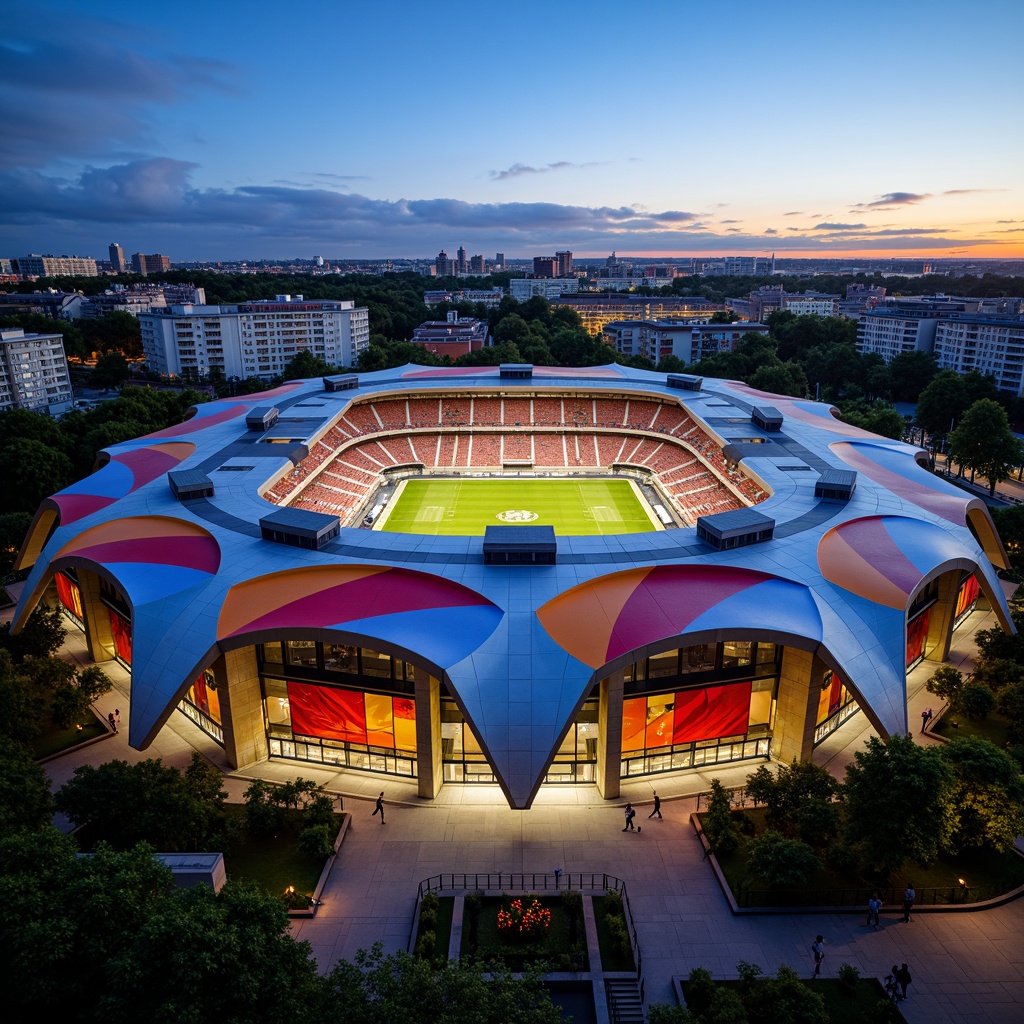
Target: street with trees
983, 443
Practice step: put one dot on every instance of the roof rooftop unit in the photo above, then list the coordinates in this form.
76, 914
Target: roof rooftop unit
190, 483
684, 382
735, 529
836, 485
262, 417
767, 417
516, 371
341, 382
520, 545
299, 528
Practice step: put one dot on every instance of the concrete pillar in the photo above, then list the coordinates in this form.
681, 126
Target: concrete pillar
241, 707
429, 769
797, 705
941, 616
96, 615
609, 736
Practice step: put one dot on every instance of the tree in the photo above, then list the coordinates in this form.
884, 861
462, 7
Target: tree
987, 794
984, 443
788, 791
13, 527
21, 704
898, 806
304, 364
717, 821
111, 371
941, 403
946, 683
379, 989
39, 469
910, 372
781, 861
25, 800
42, 635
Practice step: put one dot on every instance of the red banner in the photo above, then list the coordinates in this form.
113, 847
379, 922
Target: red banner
711, 712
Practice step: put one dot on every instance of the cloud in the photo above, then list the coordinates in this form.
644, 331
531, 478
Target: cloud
971, 191
731, 222
837, 227
518, 170
793, 213
1007, 221
1007, 231
893, 199
85, 87
153, 201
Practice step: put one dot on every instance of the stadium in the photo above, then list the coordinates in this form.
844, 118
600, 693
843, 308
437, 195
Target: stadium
517, 575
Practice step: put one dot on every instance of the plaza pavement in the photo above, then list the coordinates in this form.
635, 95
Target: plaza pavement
967, 967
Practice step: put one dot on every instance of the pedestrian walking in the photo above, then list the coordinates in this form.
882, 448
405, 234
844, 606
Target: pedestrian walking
117, 716
904, 979
657, 807
630, 815
926, 717
379, 808
908, 900
874, 906
110, 720
891, 984
818, 951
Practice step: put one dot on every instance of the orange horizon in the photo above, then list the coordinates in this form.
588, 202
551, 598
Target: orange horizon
992, 251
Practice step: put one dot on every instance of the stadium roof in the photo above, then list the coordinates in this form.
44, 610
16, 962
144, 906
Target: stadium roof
518, 646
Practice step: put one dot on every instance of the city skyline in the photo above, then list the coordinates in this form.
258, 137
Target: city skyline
228, 132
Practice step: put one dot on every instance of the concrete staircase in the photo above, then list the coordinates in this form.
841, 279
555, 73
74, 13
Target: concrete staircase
624, 1003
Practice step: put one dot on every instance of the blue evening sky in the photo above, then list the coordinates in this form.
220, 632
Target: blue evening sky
228, 130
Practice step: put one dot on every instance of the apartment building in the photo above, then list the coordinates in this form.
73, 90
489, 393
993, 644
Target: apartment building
455, 336
34, 372
902, 326
989, 344
252, 339
56, 266
523, 288
595, 310
688, 341
154, 263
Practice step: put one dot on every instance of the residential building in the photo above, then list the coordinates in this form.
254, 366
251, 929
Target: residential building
989, 344
499, 261
545, 266
117, 261
445, 267
523, 288
749, 266
34, 373
140, 298
56, 266
477, 265
905, 324
59, 305
462, 263
564, 263
252, 339
152, 264
491, 298
686, 340
453, 337
597, 309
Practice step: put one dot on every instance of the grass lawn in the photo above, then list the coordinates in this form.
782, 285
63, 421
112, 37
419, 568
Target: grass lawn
988, 874
52, 739
845, 1005
556, 947
272, 862
466, 507
611, 960
994, 728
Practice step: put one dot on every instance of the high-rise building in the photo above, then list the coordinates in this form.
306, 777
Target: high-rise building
444, 266
476, 265
992, 345
33, 372
564, 261
499, 261
56, 266
462, 261
252, 339
152, 264
545, 266
117, 263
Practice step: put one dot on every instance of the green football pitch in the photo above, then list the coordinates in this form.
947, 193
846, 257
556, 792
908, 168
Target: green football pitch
466, 507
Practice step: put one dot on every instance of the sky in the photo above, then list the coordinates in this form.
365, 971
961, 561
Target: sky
224, 130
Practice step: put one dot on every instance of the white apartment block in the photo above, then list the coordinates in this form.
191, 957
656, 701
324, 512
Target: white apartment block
252, 339
812, 305
523, 288
890, 332
990, 345
34, 372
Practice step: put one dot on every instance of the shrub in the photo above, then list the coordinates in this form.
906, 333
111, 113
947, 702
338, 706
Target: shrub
848, 975
817, 821
573, 902
317, 841
319, 811
780, 861
263, 815
841, 857
618, 935
718, 825
426, 945
700, 990
429, 902
613, 903
528, 922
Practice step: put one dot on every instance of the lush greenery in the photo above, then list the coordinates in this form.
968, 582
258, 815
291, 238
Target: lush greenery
759, 998
613, 933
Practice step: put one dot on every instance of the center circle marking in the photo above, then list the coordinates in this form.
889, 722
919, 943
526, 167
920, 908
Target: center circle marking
517, 515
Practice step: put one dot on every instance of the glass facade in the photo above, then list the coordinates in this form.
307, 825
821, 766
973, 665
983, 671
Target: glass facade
835, 705
70, 596
202, 705
966, 599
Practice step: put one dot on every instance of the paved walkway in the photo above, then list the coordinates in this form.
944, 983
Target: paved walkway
967, 967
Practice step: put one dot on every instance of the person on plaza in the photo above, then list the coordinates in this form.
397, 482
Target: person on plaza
818, 952
110, 720
926, 717
657, 807
379, 808
117, 716
874, 906
630, 815
891, 984
904, 979
908, 900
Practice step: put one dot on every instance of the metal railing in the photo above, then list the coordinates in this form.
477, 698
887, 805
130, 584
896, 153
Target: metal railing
892, 898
